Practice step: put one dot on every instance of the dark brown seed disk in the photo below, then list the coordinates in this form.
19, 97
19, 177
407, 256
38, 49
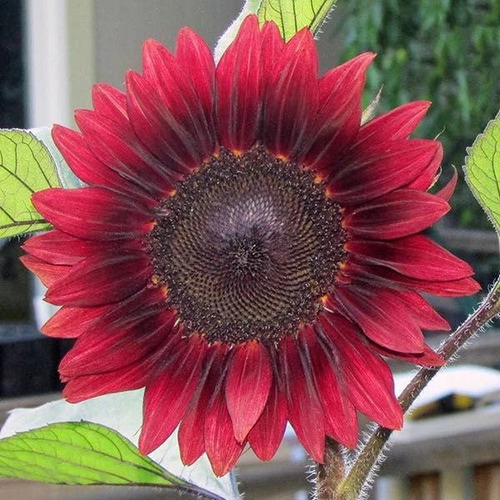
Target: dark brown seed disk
247, 246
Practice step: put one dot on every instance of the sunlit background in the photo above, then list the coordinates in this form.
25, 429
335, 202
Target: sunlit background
447, 51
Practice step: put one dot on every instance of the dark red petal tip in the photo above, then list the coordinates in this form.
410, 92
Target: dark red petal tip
248, 383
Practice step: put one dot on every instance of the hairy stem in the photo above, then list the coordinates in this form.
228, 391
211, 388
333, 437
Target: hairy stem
330, 474
370, 455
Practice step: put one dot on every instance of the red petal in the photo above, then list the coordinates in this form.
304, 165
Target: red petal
341, 421
222, 448
129, 378
423, 312
59, 248
369, 379
247, 386
266, 435
47, 273
392, 279
272, 46
339, 117
390, 165
191, 430
181, 106
447, 191
429, 175
92, 213
116, 145
162, 133
167, 396
414, 256
195, 60
98, 281
239, 88
395, 125
291, 98
88, 168
101, 351
71, 322
304, 408
383, 318
397, 214
427, 358
110, 102
74, 321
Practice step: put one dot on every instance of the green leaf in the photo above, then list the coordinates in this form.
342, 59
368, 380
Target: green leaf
123, 413
78, 453
293, 15
83, 453
26, 166
290, 16
482, 170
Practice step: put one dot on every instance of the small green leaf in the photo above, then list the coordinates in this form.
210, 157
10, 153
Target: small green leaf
26, 166
84, 453
293, 15
482, 170
78, 453
123, 413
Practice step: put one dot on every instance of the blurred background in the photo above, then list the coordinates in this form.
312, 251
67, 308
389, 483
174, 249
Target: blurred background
446, 51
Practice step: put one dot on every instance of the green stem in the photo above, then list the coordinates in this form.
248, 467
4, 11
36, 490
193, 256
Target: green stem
370, 455
330, 473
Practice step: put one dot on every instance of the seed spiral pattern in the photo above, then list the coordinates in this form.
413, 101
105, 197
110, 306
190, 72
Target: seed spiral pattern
247, 246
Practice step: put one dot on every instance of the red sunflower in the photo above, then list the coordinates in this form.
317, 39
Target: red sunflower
244, 249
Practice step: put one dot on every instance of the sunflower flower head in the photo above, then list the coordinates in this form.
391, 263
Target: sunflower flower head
244, 249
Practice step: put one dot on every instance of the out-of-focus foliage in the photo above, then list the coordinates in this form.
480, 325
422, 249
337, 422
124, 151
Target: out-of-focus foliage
446, 51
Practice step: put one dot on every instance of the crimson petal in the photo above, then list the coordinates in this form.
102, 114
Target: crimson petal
181, 106
223, 450
369, 379
272, 46
429, 174
387, 277
447, 191
195, 60
394, 125
157, 128
169, 393
88, 168
368, 174
397, 214
47, 273
112, 279
288, 123
116, 145
63, 208
247, 386
427, 358
339, 115
59, 248
422, 311
267, 433
414, 256
304, 408
341, 421
102, 351
239, 88
375, 313
111, 103
71, 322
129, 378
